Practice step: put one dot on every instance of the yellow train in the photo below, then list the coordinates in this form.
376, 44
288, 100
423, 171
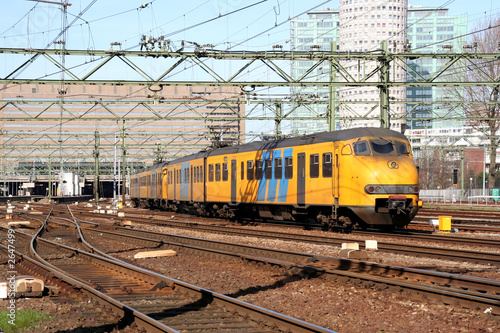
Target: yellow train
364, 177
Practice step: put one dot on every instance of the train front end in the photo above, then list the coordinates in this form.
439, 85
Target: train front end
380, 180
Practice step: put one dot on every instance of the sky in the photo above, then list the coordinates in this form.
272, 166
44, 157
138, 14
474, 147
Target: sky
226, 24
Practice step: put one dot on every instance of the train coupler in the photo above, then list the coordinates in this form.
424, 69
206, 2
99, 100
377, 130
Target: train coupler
397, 203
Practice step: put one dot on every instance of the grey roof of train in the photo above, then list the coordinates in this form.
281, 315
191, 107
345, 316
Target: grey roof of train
292, 142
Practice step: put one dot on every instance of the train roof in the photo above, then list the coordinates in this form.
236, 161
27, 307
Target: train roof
308, 139
342, 135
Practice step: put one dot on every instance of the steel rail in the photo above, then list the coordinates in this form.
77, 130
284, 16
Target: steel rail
434, 252
442, 285
257, 314
452, 287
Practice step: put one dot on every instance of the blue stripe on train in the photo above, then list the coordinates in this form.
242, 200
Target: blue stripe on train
273, 183
283, 190
261, 191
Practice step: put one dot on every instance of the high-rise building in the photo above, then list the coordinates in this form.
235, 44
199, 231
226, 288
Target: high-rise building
433, 30
317, 32
364, 24
361, 26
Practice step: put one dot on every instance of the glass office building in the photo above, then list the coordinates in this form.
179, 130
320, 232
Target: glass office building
360, 26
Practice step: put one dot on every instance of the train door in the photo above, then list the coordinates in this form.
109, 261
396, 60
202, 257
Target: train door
191, 183
137, 193
335, 178
175, 183
301, 179
153, 184
233, 181
205, 179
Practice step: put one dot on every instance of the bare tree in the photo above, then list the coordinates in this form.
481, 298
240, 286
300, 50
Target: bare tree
481, 103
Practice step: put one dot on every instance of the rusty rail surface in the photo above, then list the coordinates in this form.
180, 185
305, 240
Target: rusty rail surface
468, 291
153, 301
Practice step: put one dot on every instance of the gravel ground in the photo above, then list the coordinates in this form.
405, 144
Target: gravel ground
338, 306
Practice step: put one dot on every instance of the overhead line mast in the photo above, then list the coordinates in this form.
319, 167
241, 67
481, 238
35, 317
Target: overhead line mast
62, 91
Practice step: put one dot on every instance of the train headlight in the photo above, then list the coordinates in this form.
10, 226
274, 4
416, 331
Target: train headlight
393, 165
378, 189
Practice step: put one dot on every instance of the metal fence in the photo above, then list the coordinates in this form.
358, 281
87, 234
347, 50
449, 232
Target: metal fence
461, 197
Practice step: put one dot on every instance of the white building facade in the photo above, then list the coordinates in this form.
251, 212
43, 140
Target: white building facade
364, 24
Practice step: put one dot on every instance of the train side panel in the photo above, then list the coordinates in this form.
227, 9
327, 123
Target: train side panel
218, 187
144, 180
197, 185
360, 176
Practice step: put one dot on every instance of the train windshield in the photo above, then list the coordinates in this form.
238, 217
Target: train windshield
361, 148
382, 147
401, 148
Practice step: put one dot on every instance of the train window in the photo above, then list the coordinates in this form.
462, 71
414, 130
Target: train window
382, 147
201, 174
249, 170
217, 172
278, 168
288, 167
314, 166
361, 148
327, 165
258, 169
225, 172
242, 170
402, 148
210, 172
268, 171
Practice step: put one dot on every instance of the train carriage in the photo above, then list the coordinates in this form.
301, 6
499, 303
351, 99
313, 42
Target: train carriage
359, 176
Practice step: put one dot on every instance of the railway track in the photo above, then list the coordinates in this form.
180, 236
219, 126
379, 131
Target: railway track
467, 291
153, 301
487, 258
462, 219
479, 257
